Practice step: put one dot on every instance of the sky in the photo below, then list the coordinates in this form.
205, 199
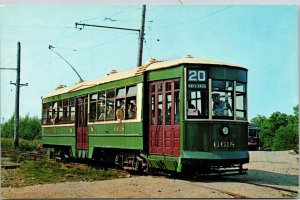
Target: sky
262, 38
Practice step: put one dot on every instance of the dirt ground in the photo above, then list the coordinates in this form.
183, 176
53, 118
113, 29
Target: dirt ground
267, 171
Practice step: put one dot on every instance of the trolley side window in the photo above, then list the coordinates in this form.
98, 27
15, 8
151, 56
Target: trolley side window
59, 112
222, 99
120, 103
114, 104
131, 102
93, 106
72, 110
240, 100
110, 105
101, 109
65, 111
47, 113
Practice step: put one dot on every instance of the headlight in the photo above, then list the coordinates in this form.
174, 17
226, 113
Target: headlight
225, 130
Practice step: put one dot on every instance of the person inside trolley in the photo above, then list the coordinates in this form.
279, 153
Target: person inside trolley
220, 108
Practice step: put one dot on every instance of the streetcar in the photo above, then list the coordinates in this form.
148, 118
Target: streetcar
253, 137
183, 115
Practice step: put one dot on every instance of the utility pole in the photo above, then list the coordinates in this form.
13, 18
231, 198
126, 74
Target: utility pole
141, 38
141, 33
17, 100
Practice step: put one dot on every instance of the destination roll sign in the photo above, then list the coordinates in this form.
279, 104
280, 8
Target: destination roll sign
196, 79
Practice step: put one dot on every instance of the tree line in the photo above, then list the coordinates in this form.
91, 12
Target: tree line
278, 132
30, 128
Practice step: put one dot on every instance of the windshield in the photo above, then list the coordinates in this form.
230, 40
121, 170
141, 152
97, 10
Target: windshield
215, 99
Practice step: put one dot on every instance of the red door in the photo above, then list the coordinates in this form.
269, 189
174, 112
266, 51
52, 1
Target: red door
81, 123
164, 114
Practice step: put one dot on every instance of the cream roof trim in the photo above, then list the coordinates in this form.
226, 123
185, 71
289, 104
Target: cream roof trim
186, 60
152, 65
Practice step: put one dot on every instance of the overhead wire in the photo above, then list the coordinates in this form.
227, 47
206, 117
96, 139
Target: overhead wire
112, 15
34, 26
196, 19
104, 43
147, 49
118, 37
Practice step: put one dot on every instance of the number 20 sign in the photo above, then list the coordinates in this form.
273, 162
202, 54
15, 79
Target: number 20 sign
196, 75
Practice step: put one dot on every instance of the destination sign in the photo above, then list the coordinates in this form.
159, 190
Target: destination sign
197, 85
196, 75
196, 79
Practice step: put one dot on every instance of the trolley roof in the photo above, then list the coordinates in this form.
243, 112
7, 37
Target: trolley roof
150, 66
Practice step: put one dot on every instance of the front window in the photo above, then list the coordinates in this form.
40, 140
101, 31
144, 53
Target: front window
222, 99
197, 104
214, 98
240, 100
197, 94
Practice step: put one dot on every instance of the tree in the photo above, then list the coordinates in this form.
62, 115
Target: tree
286, 138
30, 128
7, 130
280, 131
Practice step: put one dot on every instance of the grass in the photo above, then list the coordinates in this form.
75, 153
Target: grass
49, 171
24, 145
43, 170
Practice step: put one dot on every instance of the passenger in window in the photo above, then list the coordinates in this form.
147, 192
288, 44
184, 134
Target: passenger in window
168, 117
153, 117
55, 119
160, 117
220, 108
131, 111
49, 119
110, 112
101, 110
120, 113
176, 118
101, 117
191, 106
102, 107
153, 120
192, 110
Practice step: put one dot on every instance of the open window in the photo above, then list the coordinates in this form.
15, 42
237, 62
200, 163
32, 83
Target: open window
110, 105
66, 111
93, 106
131, 102
101, 109
72, 109
47, 113
222, 99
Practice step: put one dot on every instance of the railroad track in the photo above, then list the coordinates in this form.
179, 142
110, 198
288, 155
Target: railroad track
24, 155
241, 196
212, 178
270, 186
201, 179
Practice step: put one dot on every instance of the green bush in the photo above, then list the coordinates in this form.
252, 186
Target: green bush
30, 128
24, 145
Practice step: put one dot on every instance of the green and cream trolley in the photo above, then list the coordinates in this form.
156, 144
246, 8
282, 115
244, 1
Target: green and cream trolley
180, 115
